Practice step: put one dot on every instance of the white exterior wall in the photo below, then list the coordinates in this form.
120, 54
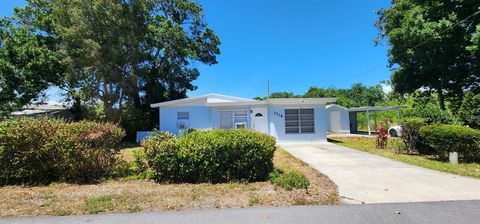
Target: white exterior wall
338, 124
200, 117
277, 124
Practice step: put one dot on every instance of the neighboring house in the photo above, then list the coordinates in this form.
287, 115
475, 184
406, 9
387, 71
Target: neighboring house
287, 119
338, 121
36, 111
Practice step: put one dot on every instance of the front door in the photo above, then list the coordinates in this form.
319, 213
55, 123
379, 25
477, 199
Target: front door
259, 119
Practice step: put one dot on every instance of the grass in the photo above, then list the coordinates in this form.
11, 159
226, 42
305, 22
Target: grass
145, 195
368, 145
127, 152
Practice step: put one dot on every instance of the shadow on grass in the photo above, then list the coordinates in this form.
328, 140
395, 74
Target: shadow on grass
334, 140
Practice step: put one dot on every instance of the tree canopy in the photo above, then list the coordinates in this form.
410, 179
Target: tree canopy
29, 61
120, 53
433, 45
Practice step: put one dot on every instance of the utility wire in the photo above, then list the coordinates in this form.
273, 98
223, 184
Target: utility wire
418, 45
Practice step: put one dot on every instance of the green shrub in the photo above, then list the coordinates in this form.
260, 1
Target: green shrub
431, 113
410, 134
470, 110
289, 180
42, 151
211, 156
452, 138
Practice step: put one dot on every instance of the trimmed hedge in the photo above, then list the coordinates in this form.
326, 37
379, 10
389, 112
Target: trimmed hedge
452, 138
215, 156
44, 151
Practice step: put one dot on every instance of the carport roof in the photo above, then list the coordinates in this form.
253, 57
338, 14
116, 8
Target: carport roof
374, 108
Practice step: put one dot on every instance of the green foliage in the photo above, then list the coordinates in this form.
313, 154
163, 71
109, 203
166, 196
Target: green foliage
211, 156
452, 138
147, 58
470, 110
431, 113
29, 62
134, 120
429, 45
410, 134
139, 166
42, 151
289, 180
157, 137
122, 53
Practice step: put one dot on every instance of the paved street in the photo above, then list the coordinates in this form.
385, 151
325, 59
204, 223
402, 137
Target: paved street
434, 212
365, 178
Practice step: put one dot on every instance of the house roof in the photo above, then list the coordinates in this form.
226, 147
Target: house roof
38, 109
218, 100
278, 101
204, 99
335, 106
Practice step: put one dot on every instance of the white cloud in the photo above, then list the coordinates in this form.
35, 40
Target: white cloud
386, 88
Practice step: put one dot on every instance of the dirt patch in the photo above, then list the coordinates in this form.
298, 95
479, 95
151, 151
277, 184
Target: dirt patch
145, 195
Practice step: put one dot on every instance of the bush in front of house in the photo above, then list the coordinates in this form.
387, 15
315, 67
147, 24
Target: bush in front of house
410, 133
452, 138
43, 151
214, 156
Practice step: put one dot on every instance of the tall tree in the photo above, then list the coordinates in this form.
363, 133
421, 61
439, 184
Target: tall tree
29, 61
134, 52
428, 45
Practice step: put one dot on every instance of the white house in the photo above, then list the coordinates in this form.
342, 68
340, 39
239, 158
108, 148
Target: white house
287, 119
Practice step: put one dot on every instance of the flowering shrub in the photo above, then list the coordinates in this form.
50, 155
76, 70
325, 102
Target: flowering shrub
382, 135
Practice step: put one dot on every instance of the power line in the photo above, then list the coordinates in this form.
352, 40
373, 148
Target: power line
416, 46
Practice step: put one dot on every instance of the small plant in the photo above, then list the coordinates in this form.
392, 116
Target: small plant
382, 135
99, 204
253, 200
289, 180
138, 165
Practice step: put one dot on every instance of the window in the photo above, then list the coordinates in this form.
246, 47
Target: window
183, 115
233, 119
226, 118
299, 121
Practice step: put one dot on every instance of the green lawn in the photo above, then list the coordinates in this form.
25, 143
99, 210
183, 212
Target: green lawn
368, 145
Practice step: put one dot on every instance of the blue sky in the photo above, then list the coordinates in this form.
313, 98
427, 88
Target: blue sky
294, 44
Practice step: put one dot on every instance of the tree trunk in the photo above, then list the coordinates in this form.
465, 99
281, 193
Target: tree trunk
441, 98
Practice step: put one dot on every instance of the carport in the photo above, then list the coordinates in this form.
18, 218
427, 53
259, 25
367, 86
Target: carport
352, 113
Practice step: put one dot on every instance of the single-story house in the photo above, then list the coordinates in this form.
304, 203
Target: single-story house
286, 119
37, 111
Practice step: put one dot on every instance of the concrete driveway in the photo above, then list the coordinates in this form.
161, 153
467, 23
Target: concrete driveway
365, 178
